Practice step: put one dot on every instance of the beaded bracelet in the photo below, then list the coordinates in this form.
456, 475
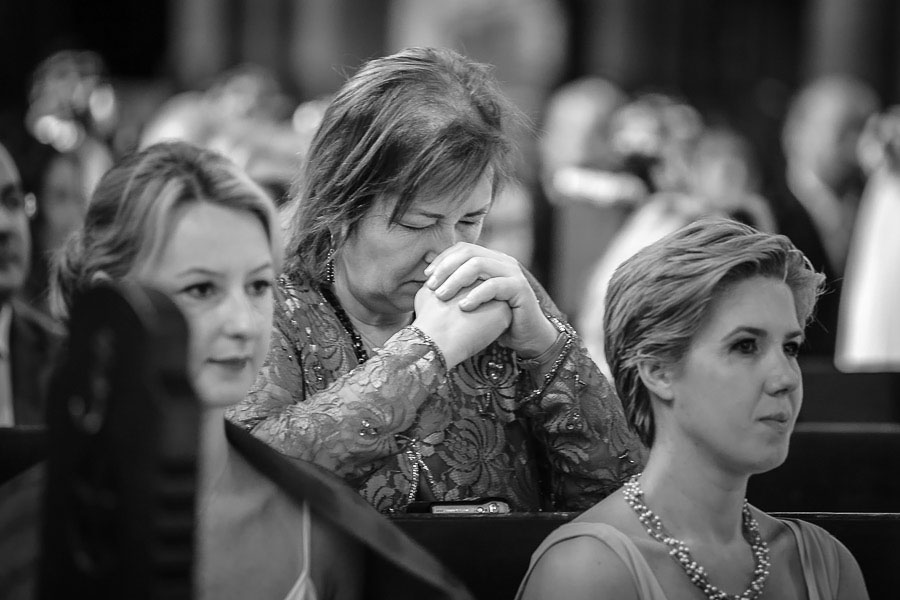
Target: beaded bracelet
431, 343
569, 333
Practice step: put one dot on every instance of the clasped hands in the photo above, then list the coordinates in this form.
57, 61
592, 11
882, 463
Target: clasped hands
474, 296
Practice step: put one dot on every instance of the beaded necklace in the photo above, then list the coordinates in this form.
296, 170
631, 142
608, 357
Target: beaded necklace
634, 496
358, 347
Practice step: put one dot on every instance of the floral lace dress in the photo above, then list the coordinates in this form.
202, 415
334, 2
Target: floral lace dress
402, 427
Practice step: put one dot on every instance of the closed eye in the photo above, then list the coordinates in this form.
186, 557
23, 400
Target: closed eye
415, 227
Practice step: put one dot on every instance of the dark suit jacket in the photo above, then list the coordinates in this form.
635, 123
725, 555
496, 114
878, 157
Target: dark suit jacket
34, 341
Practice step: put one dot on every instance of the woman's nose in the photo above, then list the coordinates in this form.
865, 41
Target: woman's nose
447, 237
784, 376
239, 316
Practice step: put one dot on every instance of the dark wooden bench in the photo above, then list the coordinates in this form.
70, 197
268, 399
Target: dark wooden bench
830, 395
834, 467
20, 449
490, 553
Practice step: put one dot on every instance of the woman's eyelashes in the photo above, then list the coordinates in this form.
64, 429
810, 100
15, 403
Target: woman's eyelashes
199, 291
206, 290
792, 348
260, 287
750, 346
747, 346
467, 223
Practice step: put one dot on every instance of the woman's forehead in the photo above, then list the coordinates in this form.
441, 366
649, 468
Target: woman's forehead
442, 202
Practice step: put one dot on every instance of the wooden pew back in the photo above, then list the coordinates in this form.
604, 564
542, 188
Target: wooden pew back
491, 553
834, 467
830, 395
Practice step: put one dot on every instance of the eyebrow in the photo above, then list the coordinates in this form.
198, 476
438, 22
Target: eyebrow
760, 332
211, 273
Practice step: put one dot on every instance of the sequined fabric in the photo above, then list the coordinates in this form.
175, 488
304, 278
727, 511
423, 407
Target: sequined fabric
400, 427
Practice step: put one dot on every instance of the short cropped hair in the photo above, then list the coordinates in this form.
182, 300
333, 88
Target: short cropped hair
130, 213
660, 298
425, 122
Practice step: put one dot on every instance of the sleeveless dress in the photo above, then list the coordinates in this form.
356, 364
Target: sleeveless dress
304, 588
818, 557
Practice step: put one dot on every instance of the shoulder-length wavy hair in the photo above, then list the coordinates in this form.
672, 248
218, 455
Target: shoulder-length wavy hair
131, 210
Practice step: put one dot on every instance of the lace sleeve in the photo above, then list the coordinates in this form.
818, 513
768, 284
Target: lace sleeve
353, 422
578, 418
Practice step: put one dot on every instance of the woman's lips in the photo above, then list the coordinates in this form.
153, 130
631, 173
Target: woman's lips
233, 363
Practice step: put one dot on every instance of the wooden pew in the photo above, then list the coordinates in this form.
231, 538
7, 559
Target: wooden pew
21, 448
490, 553
830, 395
834, 467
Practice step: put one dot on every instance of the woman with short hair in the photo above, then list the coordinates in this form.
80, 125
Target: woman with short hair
703, 329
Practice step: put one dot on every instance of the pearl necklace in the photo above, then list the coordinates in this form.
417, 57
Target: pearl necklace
634, 496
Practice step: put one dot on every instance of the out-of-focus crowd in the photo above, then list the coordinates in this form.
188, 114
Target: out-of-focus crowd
617, 170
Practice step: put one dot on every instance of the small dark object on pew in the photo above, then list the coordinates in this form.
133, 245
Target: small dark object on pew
118, 516
490, 553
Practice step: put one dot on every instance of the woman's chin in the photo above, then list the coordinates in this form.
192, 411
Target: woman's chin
221, 395
772, 461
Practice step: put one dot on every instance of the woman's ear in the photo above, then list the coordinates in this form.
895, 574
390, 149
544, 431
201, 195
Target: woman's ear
657, 378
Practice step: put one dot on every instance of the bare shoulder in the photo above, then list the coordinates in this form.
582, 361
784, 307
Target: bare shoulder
585, 566
772, 530
613, 511
851, 585
582, 567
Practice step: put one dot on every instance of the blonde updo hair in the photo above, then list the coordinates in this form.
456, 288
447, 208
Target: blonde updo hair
659, 298
130, 214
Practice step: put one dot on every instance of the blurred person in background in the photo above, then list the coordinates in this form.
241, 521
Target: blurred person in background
55, 183
412, 362
72, 115
816, 206
584, 180
73, 108
246, 115
29, 341
723, 171
869, 324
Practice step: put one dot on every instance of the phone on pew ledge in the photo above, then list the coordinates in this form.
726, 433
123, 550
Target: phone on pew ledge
474, 506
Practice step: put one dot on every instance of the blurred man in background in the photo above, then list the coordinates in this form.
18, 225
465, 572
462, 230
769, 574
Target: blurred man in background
28, 340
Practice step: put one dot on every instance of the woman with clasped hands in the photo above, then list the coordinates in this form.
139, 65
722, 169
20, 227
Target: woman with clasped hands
702, 334
410, 361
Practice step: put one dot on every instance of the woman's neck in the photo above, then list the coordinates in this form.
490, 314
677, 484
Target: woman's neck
692, 497
215, 473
